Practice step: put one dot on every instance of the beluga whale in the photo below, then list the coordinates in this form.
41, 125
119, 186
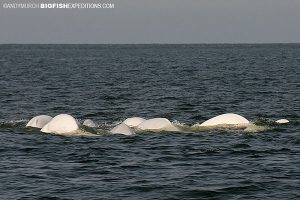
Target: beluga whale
39, 121
61, 124
122, 129
225, 119
282, 121
157, 124
89, 123
134, 121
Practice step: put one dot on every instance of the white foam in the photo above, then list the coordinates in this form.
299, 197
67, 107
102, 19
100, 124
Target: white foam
252, 128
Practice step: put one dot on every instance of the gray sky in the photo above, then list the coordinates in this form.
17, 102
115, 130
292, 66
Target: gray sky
155, 21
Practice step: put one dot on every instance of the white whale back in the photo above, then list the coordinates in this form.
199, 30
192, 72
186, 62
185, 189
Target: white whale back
89, 123
122, 129
134, 121
226, 119
39, 121
61, 124
157, 124
282, 121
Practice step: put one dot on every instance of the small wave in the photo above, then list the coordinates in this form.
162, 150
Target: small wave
259, 152
264, 122
218, 191
78, 133
96, 114
295, 141
241, 146
222, 128
50, 197
13, 124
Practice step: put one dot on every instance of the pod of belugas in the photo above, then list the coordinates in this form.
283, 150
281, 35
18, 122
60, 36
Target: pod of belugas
39, 121
226, 119
134, 121
89, 123
157, 124
61, 124
122, 129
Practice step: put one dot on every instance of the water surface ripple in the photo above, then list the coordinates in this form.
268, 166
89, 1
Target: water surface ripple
184, 83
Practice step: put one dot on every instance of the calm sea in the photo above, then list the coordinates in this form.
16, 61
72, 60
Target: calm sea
187, 84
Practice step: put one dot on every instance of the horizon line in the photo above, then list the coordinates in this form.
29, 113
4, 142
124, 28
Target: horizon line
154, 43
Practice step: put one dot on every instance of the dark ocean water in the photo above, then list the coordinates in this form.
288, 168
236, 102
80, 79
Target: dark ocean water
187, 84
